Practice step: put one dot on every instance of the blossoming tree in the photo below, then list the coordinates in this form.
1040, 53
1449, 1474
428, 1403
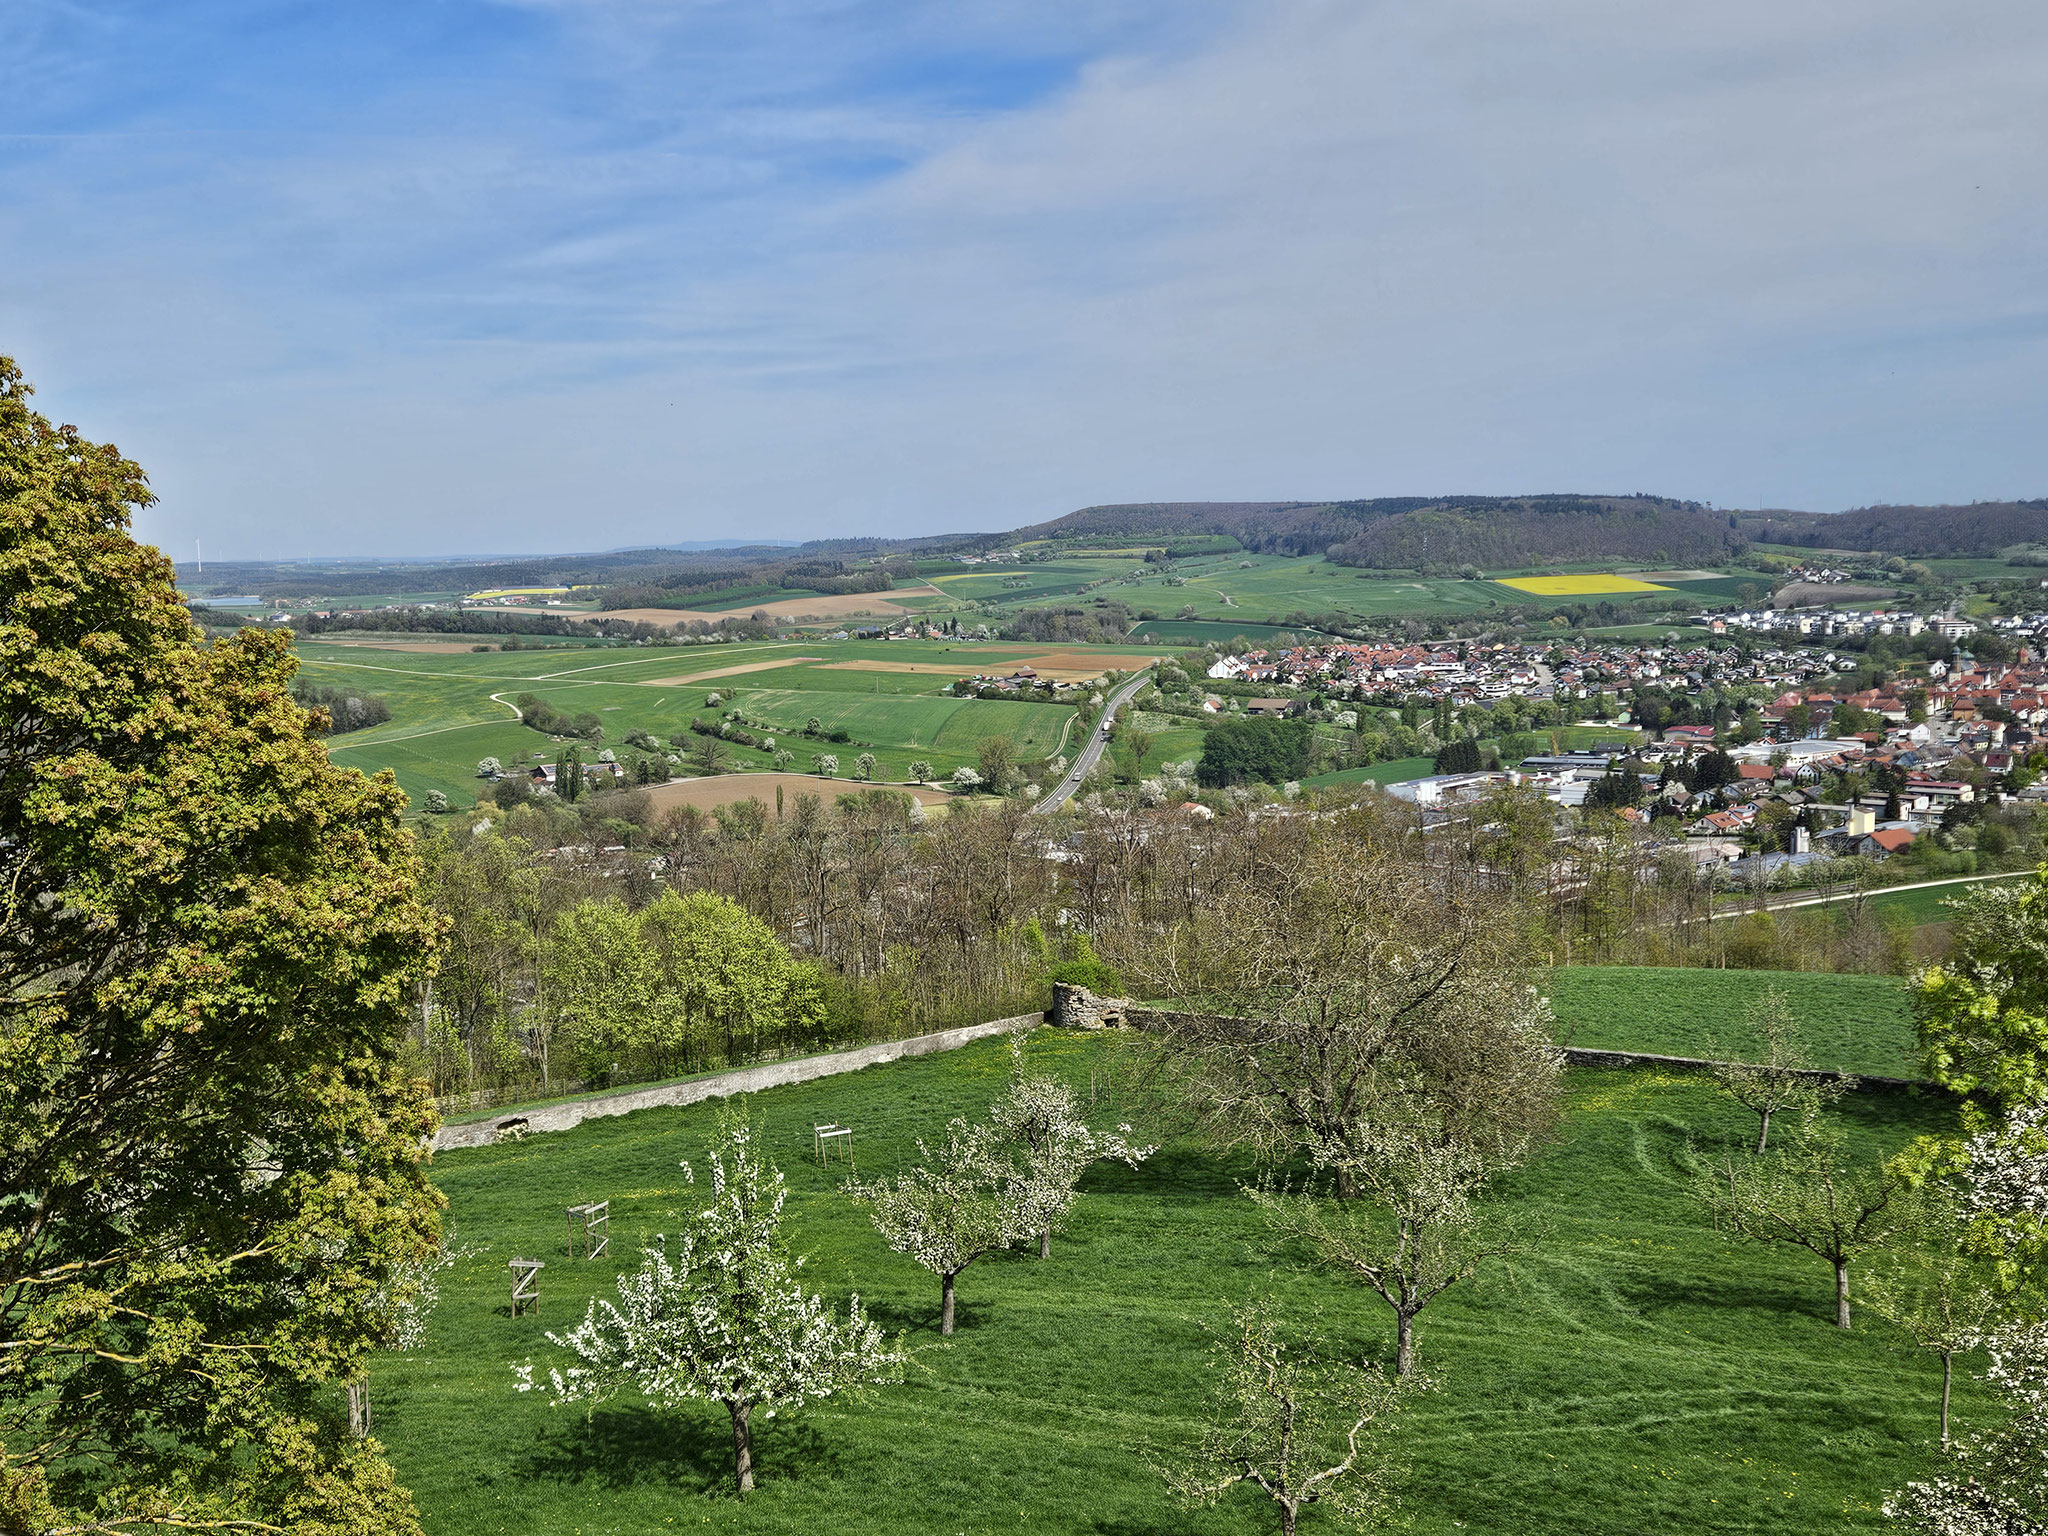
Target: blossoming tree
719, 1315
1040, 1119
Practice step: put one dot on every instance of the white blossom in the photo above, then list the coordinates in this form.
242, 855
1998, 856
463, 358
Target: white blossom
717, 1314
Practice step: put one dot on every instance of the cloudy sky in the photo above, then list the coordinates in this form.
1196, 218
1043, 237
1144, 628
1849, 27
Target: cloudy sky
438, 276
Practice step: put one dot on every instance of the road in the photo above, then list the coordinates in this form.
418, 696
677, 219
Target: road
1091, 754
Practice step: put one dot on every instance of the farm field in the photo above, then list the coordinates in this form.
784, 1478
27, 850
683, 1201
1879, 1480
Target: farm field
1583, 585
1637, 1373
451, 710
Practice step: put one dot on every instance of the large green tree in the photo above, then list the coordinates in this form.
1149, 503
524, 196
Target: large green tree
1982, 1013
210, 938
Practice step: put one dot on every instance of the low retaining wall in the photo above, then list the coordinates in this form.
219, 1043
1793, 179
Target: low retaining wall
773, 1074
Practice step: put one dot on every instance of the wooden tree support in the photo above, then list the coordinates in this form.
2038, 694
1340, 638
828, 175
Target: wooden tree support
824, 1138
597, 1228
525, 1284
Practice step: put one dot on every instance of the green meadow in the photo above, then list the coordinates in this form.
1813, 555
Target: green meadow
1635, 1373
450, 710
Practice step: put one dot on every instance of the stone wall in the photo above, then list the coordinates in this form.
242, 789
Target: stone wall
774, 1074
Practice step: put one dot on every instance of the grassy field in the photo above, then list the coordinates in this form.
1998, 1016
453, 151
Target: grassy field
1636, 1374
449, 711
1851, 1023
1396, 771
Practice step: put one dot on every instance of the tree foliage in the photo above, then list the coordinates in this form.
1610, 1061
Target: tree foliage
1253, 751
211, 1162
1982, 1013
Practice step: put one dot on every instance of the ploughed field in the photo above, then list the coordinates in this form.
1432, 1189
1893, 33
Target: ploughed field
451, 710
1638, 1373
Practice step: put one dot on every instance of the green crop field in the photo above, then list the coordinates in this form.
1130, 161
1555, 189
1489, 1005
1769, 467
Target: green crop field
1851, 1023
452, 709
1636, 1373
1396, 771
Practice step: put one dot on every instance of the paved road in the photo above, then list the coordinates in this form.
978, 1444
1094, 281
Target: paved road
1085, 762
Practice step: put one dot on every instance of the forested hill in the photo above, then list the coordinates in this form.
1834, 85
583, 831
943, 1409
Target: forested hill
1981, 529
1409, 531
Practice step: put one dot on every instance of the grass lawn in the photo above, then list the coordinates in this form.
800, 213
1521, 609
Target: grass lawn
1395, 771
1636, 1374
1851, 1023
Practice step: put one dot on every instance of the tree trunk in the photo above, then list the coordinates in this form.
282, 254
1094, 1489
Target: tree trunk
1763, 1134
1948, 1376
1404, 1343
1045, 1243
359, 1407
1841, 1293
742, 1446
1288, 1515
945, 1304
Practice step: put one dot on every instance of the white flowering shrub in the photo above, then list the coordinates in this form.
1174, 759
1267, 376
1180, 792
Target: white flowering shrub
966, 778
718, 1314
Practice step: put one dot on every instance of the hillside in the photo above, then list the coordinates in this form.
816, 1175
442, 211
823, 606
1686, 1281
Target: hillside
1411, 531
1492, 532
1980, 529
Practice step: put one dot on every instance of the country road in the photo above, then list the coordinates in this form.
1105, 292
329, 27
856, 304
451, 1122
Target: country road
1091, 754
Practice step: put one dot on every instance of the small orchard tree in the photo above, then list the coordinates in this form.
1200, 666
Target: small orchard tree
825, 764
1039, 1119
1782, 1080
437, 802
489, 768
1996, 1483
1416, 1223
961, 1202
784, 757
920, 771
965, 779
719, 1315
864, 766
1809, 1195
1295, 1424
1935, 1286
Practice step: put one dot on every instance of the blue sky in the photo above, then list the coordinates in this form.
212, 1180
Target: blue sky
444, 276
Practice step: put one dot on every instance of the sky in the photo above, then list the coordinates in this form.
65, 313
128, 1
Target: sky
421, 277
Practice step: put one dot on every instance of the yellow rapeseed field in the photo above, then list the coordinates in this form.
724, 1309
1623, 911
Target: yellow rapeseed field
1579, 586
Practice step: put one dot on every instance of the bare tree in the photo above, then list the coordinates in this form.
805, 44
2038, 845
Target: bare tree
1807, 1195
1336, 982
1417, 1224
1296, 1425
1784, 1079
